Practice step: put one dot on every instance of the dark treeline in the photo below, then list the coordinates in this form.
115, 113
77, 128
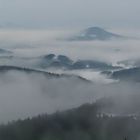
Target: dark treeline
82, 123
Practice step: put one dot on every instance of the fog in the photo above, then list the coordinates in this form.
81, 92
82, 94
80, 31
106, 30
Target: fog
32, 43
25, 95
71, 64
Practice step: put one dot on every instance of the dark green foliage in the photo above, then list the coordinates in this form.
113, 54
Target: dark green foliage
83, 123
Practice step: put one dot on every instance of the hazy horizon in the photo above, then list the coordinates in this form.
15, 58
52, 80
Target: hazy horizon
69, 14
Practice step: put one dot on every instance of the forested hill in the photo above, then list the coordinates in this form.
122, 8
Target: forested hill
82, 123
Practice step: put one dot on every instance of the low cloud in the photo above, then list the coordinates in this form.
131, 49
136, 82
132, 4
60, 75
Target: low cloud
26, 95
23, 95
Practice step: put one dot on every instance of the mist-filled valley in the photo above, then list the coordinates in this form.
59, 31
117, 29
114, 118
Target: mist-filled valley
46, 76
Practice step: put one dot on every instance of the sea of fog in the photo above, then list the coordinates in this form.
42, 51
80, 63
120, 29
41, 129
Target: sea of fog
23, 95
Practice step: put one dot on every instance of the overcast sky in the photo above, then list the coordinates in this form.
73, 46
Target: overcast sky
70, 13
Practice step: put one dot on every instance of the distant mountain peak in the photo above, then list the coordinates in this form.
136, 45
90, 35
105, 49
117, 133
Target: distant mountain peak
95, 33
92, 30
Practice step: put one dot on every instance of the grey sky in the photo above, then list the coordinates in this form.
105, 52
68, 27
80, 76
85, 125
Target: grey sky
70, 13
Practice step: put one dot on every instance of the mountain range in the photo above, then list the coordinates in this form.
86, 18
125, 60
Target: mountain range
127, 75
62, 61
48, 75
